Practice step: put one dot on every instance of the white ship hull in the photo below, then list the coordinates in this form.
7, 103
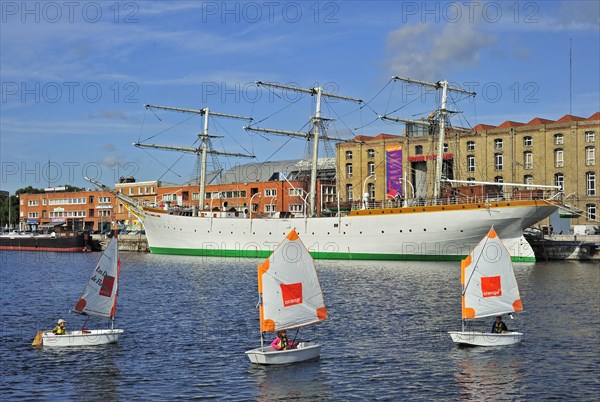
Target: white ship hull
445, 232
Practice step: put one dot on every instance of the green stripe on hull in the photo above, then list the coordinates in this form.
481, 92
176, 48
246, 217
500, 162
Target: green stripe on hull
318, 255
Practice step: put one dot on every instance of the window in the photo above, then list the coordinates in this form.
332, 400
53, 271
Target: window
130, 190
371, 189
348, 170
528, 160
499, 179
559, 139
419, 150
470, 145
470, 163
528, 179
498, 161
348, 154
296, 208
44, 201
91, 199
371, 168
498, 143
471, 179
270, 192
33, 215
104, 200
590, 156
590, 210
590, 136
371, 153
349, 195
270, 208
590, 180
559, 157
446, 148
296, 192
33, 203
559, 180
527, 141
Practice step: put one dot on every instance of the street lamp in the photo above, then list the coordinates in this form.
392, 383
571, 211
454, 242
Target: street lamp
218, 196
365, 196
271, 203
305, 201
403, 182
251, 198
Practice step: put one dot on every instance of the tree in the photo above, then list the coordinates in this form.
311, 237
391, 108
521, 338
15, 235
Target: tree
14, 211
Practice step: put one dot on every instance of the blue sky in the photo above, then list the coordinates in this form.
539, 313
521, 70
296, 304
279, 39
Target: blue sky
75, 75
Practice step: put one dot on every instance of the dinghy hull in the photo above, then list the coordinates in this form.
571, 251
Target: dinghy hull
82, 338
485, 339
305, 351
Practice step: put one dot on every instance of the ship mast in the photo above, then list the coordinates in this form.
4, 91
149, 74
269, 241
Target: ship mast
315, 133
203, 149
442, 116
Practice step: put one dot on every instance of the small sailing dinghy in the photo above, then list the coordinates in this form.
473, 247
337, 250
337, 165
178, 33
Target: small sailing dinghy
290, 296
489, 289
99, 299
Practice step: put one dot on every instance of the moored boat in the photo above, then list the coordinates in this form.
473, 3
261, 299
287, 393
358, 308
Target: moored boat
440, 229
61, 242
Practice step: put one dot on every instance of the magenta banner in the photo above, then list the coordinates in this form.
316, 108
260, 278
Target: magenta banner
393, 155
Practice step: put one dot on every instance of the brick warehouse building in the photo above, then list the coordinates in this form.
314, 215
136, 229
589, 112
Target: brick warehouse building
542, 151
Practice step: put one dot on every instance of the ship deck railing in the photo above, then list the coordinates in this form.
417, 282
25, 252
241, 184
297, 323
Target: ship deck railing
398, 202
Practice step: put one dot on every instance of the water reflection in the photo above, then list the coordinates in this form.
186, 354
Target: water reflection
303, 381
487, 374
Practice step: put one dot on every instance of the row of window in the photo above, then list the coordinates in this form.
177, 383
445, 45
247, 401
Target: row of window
370, 154
590, 136
141, 190
67, 201
370, 169
590, 159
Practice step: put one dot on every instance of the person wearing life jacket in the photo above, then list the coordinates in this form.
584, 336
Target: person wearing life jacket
282, 342
499, 326
61, 328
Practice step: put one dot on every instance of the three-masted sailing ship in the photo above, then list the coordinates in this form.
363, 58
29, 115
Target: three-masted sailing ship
426, 232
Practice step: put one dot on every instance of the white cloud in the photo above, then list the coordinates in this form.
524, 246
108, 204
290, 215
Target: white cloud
423, 51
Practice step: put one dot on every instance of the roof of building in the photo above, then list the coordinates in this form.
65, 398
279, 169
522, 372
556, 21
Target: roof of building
510, 123
568, 118
482, 126
378, 137
595, 116
539, 120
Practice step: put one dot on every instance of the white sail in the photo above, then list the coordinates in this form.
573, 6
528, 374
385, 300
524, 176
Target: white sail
289, 287
489, 283
99, 297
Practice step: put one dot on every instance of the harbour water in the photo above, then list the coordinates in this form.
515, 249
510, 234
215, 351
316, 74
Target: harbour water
188, 321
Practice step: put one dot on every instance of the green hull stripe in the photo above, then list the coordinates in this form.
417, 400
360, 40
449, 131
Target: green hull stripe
318, 255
